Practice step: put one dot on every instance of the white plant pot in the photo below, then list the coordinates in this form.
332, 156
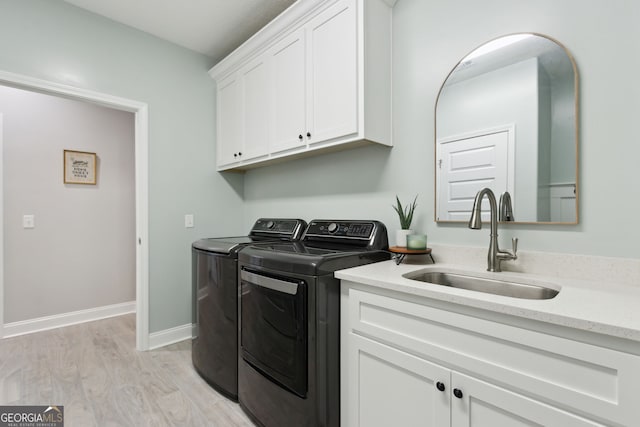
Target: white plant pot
401, 237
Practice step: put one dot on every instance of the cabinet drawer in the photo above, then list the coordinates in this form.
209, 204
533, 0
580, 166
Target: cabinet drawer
585, 378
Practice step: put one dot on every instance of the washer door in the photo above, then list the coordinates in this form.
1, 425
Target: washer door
273, 335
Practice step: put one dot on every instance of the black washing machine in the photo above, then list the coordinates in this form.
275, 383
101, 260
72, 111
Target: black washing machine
289, 350
215, 299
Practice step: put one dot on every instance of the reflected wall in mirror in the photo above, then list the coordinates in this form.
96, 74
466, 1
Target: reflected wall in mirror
506, 118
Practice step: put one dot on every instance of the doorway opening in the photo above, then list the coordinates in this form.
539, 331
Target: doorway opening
140, 111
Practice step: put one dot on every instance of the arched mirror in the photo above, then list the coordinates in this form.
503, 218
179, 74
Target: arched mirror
507, 119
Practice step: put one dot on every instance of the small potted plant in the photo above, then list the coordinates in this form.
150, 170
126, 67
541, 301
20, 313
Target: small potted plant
405, 214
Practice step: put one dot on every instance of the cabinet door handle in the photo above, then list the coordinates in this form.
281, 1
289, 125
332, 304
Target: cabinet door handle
235, 154
308, 134
300, 137
440, 386
457, 393
239, 153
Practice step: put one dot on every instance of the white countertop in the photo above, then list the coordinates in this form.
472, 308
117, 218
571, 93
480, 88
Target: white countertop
606, 308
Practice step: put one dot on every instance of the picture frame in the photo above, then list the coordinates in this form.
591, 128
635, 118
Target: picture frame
79, 167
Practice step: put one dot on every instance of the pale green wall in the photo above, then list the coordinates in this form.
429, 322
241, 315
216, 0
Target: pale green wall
429, 38
52, 40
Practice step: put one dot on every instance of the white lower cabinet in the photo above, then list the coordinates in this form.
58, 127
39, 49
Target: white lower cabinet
482, 404
389, 387
407, 363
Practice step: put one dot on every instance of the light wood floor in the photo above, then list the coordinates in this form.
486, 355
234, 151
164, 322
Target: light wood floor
94, 370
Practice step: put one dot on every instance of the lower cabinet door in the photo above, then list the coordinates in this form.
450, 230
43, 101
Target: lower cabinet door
480, 404
387, 387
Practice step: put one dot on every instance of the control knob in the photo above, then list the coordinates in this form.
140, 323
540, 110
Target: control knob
332, 228
270, 224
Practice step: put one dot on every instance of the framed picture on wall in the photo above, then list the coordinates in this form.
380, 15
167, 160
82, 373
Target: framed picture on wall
79, 167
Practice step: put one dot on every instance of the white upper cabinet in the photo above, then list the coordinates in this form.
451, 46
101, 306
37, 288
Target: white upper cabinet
243, 99
254, 104
229, 113
317, 77
332, 66
288, 87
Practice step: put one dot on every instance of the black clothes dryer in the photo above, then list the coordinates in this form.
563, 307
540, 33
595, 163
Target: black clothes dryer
289, 349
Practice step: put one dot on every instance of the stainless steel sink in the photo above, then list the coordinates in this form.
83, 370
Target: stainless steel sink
490, 286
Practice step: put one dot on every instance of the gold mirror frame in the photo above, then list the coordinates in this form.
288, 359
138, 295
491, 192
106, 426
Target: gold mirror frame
464, 63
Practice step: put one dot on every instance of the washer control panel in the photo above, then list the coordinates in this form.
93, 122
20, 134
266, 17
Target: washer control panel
278, 226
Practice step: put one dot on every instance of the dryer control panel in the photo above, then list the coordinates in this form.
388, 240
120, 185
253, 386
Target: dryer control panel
361, 233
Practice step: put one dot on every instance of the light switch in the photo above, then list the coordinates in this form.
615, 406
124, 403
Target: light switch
188, 221
28, 221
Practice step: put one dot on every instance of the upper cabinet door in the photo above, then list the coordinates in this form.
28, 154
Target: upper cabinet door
255, 102
332, 60
288, 96
229, 121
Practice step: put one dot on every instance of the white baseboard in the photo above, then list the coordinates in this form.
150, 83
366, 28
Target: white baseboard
66, 319
169, 336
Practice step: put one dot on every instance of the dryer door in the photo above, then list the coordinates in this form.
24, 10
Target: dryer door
273, 335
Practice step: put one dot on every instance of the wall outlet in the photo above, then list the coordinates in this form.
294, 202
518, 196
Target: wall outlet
188, 221
28, 221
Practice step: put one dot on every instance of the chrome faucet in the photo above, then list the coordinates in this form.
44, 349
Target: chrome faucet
495, 256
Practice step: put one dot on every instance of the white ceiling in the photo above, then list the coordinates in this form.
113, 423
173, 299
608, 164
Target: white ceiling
211, 27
